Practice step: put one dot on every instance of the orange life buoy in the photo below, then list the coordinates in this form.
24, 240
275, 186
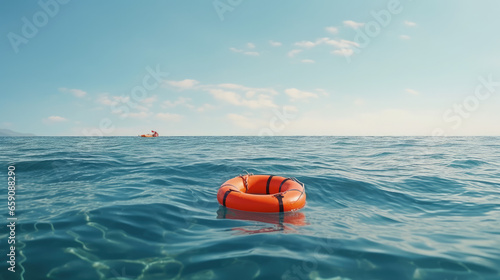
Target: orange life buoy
147, 135
262, 193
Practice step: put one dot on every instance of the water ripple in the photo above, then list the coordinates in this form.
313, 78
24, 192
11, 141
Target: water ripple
377, 208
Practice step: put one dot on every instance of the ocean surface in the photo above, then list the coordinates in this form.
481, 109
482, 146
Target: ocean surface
146, 208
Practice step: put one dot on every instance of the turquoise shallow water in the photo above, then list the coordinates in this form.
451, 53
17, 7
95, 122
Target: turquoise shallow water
135, 208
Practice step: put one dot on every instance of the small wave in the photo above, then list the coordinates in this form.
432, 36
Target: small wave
123, 208
467, 164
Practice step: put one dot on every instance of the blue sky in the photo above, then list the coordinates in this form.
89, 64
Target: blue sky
250, 67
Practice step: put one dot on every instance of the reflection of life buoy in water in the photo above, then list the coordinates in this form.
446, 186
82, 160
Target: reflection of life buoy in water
262, 193
277, 221
294, 218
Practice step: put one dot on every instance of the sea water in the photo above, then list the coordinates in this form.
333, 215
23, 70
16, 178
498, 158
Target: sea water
146, 208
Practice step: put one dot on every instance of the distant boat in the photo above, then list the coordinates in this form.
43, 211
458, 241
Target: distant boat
155, 134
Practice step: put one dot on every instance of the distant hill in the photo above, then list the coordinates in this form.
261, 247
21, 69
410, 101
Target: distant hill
8, 132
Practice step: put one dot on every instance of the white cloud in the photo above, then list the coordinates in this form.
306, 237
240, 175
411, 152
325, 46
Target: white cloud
241, 96
342, 44
344, 47
75, 92
121, 105
306, 44
262, 101
410, 23
150, 100
179, 101
307, 61
412, 91
250, 93
232, 86
234, 94
230, 97
233, 98
244, 52
106, 99
296, 94
332, 29
140, 115
183, 84
168, 117
344, 52
54, 119
205, 107
353, 24
405, 37
244, 88
251, 45
310, 44
274, 43
139, 107
293, 53
290, 109
235, 50
243, 122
